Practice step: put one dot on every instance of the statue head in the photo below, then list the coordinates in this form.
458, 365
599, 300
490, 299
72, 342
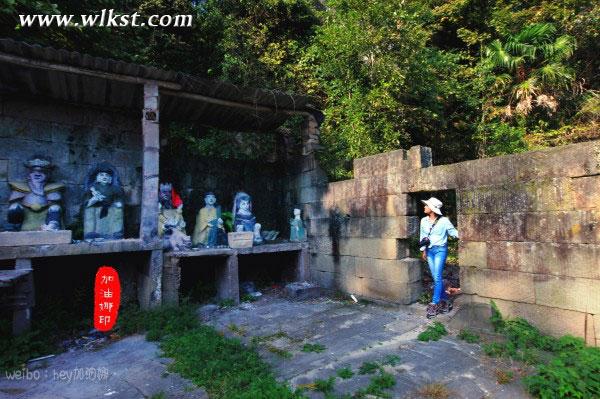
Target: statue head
164, 192
39, 169
297, 212
104, 177
210, 199
102, 173
242, 203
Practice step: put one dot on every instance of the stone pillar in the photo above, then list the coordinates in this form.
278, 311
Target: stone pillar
150, 130
228, 280
24, 298
150, 281
302, 272
171, 280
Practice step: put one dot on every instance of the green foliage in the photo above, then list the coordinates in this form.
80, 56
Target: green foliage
227, 370
572, 371
378, 385
325, 386
433, 332
248, 298
467, 335
504, 376
226, 303
317, 348
369, 368
496, 317
345, 373
391, 360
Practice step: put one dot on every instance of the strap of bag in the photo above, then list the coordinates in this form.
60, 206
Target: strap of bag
432, 226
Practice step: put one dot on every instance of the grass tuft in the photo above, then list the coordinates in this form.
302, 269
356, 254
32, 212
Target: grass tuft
433, 332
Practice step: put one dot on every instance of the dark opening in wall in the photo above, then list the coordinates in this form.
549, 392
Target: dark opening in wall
451, 271
198, 278
266, 270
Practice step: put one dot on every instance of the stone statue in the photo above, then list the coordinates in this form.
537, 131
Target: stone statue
103, 204
297, 230
243, 219
35, 204
209, 230
171, 226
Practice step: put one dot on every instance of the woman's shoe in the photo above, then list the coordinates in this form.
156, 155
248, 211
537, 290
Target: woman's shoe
432, 310
446, 306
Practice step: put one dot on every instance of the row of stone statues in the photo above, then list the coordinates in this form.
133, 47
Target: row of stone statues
35, 205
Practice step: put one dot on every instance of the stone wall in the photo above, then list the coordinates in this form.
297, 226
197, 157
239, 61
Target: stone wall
76, 138
530, 234
359, 228
529, 226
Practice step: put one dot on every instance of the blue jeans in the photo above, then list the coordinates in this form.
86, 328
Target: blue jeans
436, 258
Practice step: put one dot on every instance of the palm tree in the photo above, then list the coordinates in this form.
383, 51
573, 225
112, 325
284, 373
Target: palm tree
529, 68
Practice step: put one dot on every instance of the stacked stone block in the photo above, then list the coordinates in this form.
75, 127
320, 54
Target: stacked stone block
75, 138
530, 233
358, 228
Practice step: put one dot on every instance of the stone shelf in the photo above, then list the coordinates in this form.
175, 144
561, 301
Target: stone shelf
8, 278
81, 248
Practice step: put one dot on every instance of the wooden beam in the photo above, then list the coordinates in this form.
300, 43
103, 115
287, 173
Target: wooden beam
150, 131
228, 103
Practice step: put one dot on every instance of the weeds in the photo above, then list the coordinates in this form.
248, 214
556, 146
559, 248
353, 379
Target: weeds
369, 368
378, 385
226, 303
316, 348
279, 352
345, 373
469, 336
227, 368
248, 298
434, 391
433, 332
391, 360
325, 386
571, 370
504, 376
234, 328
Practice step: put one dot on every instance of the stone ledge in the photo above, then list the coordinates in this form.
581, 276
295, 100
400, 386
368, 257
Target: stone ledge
82, 248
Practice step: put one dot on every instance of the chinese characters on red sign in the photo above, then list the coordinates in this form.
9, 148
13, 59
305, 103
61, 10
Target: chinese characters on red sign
107, 298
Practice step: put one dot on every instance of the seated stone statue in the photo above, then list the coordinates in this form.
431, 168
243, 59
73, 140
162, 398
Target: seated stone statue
171, 226
243, 219
35, 204
103, 204
209, 230
297, 230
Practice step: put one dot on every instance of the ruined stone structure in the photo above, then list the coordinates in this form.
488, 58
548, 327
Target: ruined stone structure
529, 225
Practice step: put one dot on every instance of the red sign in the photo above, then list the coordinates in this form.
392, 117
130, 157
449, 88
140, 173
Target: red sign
107, 298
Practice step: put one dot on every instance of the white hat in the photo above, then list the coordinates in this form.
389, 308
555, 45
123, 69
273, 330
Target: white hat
434, 204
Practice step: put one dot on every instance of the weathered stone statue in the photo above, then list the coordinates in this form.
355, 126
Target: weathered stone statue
297, 230
171, 226
209, 230
103, 204
243, 219
35, 204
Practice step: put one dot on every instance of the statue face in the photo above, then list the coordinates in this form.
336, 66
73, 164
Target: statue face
244, 205
37, 175
104, 178
210, 199
296, 212
165, 193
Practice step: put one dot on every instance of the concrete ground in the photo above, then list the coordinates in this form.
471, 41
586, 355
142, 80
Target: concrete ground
127, 369
356, 333
350, 333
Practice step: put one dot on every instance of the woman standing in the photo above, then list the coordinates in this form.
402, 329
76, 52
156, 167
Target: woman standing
433, 241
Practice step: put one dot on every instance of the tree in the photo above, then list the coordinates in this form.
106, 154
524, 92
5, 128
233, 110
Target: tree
524, 73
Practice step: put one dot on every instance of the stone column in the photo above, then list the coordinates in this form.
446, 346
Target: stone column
227, 280
150, 130
24, 298
149, 288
